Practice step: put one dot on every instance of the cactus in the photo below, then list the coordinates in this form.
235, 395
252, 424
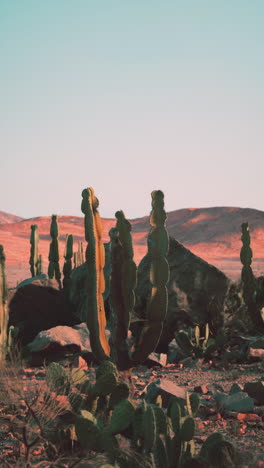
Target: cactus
249, 283
80, 255
34, 257
193, 344
123, 282
57, 379
67, 267
158, 242
39, 265
54, 266
95, 259
4, 314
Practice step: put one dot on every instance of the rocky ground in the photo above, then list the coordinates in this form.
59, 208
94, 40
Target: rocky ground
243, 428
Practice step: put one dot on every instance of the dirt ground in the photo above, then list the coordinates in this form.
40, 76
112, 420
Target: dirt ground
244, 431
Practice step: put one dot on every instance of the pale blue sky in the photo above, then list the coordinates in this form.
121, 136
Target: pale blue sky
130, 96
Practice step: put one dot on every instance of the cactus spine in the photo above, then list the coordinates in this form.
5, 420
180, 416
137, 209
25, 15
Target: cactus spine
67, 267
35, 267
123, 282
158, 242
54, 266
95, 260
3, 308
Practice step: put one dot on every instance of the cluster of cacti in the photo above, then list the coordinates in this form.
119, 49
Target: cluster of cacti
192, 343
3, 308
35, 260
123, 283
248, 279
67, 267
163, 437
95, 260
54, 257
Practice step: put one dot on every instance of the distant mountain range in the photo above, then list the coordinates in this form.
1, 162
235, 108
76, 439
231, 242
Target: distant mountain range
213, 234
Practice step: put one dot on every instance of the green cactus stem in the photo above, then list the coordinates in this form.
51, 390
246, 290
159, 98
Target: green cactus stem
80, 253
34, 258
67, 267
3, 308
95, 260
247, 276
123, 282
158, 242
39, 265
54, 266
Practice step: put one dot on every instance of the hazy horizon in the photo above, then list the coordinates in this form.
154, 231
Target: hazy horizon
128, 98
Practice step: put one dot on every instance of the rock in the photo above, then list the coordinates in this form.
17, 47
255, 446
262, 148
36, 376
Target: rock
166, 388
59, 341
38, 306
196, 292
239, 402
256, 354
214, 388
256, 391
77, 336
201, 389
249, 417
155, 359
38, 280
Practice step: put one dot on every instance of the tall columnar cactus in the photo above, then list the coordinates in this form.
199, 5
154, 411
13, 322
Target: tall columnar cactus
247, 276
54, 266
39, 265
158, 242
3, 308
123, 282
80, 253
67, 267
95, 260
34, 257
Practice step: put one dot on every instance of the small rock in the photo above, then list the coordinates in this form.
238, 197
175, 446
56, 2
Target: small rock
256, 391
248, 417
239, 402
166, 388
201, 389
255, 353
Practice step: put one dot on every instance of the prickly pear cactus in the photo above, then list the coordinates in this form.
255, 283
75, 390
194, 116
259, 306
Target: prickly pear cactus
67, 267
3, 308
34, 258
158, 242
54, 266
95, 258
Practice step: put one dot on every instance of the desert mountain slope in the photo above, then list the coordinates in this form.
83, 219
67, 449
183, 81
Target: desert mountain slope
211, 233
9, 218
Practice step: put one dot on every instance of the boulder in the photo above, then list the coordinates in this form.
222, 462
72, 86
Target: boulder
196, 292
76, 338
39, 305
60, 342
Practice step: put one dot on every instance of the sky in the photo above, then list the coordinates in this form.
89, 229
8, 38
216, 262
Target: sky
129, 97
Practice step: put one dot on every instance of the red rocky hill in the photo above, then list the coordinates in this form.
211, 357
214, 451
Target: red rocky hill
211, 233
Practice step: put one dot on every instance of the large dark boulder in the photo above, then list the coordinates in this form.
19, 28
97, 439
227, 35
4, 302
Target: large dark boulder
38, 306
196, 292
